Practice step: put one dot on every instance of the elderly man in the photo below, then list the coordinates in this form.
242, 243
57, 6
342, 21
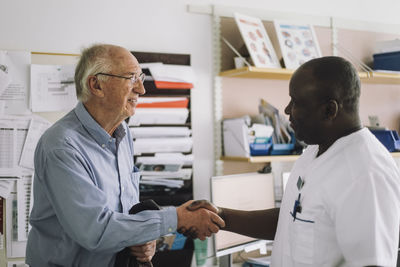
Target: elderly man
85, 178
341, 205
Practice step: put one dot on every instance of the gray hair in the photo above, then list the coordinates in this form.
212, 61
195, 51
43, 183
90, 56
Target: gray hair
94, 59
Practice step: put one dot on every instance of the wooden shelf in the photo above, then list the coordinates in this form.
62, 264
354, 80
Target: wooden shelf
258, 73
285, 74
264, 159
380, 77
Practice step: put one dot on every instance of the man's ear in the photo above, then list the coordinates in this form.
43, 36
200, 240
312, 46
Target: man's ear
94, 86
331, 109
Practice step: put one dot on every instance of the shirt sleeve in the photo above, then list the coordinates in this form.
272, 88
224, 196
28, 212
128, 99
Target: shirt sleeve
367, 221
81, 207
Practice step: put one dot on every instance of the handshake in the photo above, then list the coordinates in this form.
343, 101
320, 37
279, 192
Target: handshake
199, 219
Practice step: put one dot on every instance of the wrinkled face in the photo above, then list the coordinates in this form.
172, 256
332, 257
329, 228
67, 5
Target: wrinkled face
120, 95
305, 110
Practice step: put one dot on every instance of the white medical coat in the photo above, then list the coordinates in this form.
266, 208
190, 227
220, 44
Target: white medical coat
350, 206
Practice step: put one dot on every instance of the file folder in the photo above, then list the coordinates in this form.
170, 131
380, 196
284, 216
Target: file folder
147, 132
163, 102
236, 143
173, 85
169, 76
153, 145
159, 116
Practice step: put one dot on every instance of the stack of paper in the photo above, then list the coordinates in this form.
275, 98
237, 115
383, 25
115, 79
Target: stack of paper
150, 132
168, 76
153, 145
167, 170
163, 182
163, 102
145, 116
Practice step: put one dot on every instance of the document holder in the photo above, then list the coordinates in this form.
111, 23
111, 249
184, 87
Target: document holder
260, 149
284, 149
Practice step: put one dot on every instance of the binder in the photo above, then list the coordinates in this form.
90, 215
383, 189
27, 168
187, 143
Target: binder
173, 85
163, 102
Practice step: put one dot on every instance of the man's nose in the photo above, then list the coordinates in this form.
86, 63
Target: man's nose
139, 89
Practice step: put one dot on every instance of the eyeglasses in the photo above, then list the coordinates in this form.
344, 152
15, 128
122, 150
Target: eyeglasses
133, 79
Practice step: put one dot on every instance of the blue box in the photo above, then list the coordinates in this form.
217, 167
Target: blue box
387, 61
260, 149
284, 149
390, 139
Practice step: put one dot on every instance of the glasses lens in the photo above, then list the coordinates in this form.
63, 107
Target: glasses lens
142, 76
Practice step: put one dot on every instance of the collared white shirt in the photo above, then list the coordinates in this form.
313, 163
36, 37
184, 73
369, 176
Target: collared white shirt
350, 207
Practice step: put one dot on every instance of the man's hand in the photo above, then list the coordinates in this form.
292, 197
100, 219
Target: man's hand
144, 252
197, 204
200, 222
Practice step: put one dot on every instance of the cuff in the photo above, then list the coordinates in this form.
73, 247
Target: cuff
169, 220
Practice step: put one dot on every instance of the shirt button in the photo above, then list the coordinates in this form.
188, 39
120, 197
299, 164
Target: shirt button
123, 188
103, 145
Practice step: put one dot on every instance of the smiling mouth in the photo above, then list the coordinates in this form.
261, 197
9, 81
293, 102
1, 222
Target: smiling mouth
132, 100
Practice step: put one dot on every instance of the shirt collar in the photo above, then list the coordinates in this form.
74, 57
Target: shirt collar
94, 129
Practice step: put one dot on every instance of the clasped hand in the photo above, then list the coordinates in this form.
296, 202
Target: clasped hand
199, 219
144, 252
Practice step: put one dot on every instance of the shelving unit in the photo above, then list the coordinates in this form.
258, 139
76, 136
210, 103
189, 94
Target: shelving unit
336, 33
173, 197
285, 74
265, 159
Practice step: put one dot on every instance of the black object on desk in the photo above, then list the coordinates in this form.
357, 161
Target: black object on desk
124, 257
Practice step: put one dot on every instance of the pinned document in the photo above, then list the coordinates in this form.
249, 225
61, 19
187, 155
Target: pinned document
14, 66
52, 88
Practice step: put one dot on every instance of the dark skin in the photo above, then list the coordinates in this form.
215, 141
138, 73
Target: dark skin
319, 116
236, 219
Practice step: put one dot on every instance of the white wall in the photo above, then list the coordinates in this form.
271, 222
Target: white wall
157, 26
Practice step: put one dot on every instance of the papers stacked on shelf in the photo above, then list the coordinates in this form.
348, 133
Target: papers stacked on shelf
149, 132
168, 76
165, 170
145, 116
153, 145
163, 102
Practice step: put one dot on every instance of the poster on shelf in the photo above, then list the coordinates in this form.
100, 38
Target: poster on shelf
257, 41
298, 43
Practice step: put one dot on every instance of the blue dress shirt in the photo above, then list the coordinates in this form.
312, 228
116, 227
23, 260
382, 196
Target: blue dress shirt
84, 185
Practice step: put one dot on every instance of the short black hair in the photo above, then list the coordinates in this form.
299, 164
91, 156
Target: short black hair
338, 79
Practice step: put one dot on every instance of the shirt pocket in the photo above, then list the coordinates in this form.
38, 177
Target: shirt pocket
303, 241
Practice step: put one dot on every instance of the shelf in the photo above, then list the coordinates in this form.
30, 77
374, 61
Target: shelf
380, 77
258, 73
285, 74
264, 159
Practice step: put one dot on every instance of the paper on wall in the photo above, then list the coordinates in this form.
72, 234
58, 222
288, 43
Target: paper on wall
16, 94
52, 88
36, 128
